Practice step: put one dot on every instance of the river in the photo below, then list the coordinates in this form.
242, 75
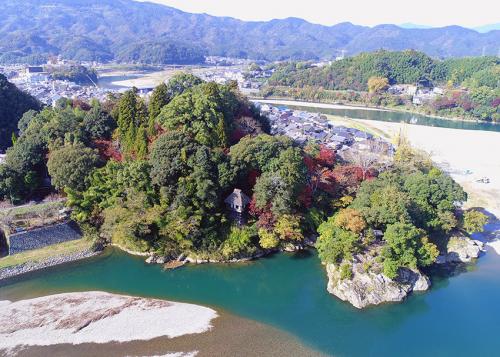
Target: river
383, 115
457, 317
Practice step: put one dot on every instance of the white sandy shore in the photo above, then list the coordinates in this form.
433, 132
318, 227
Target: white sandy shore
312, 105
495, 245
467, 155
97, 317
493, 232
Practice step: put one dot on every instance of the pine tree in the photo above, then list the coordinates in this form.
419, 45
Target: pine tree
141, 143
159, 98
129, 139
221, 132
132, 115
127, 111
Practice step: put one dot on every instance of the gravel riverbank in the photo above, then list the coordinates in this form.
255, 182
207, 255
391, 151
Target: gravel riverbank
10, 272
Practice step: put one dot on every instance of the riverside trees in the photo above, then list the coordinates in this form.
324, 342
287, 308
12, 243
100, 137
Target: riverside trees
154, 176
471, 85
412, 205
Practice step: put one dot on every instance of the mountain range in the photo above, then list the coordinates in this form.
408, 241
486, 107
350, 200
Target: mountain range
130, 31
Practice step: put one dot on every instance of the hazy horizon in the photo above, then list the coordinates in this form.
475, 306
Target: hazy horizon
447, 12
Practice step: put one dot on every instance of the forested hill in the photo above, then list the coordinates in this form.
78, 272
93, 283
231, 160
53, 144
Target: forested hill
13, 104
399, 67
126, 30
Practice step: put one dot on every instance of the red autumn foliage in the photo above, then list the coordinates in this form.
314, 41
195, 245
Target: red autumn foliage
237, 135
349, 176
252, 208
327, 182
309, 162
496, 102
78, 103
266, 220
305, 197
107, 150
444, 103
371, 174
265, 217
326, 157
253, 175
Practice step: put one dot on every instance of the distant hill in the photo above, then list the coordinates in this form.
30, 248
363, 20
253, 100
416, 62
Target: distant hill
128, 31
410, 25
488, 28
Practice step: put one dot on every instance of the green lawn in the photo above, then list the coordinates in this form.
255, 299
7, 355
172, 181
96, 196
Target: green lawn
45, 253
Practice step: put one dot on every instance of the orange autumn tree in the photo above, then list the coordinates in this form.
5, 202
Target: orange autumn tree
350, 219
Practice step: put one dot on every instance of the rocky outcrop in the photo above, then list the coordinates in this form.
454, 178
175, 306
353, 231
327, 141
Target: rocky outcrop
156, 259
461, 249
368, 286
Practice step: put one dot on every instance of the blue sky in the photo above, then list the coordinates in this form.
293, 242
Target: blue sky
362, 12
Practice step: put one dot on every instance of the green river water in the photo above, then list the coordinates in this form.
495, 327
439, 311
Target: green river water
397, 117
459, 316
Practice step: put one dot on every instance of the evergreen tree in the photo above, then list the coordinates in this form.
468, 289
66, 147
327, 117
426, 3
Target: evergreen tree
159, 98
141, 143
221, 133
132, 114
126, 112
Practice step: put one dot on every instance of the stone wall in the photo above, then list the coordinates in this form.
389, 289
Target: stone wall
42, 237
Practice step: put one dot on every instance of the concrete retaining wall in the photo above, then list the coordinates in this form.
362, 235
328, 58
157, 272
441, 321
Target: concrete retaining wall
42, 237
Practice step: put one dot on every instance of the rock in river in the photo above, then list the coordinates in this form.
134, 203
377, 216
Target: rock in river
369, 286
461, 249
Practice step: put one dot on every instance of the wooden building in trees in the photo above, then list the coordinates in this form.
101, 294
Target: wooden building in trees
237, 201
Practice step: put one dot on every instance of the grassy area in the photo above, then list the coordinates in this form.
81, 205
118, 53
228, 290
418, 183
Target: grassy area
36, 208
46, 252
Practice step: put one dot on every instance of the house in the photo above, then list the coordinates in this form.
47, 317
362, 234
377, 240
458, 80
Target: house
402, 89
35, 75
361, 135
237, 201
438, 91
34, 69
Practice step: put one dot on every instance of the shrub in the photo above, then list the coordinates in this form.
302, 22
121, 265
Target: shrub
238, 243
345, 271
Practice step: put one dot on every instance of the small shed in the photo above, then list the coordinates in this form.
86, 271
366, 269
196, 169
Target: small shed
237, 201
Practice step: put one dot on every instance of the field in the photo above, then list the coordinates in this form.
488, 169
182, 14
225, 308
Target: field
42, 254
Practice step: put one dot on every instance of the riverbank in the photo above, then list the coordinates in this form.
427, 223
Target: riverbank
97, 317
289, 102
467, 155
31, 261
360, 106
117, 325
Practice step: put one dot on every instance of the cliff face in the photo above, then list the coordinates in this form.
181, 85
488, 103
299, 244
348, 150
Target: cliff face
367, 288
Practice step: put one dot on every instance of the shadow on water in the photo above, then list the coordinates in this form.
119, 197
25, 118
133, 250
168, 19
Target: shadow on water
302, 254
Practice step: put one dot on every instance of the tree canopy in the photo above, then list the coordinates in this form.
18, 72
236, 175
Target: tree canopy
13, 104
